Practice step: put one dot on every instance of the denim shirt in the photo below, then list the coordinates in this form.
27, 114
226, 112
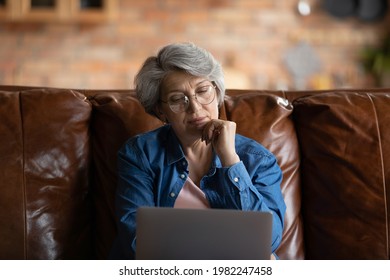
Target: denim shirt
152, 170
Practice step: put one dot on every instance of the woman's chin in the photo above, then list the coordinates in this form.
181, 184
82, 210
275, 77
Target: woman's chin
199, 127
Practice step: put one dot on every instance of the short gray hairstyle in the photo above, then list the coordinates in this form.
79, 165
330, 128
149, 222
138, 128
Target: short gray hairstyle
176, 57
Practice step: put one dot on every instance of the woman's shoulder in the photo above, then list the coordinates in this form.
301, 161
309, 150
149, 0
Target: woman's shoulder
246, 145
152, 138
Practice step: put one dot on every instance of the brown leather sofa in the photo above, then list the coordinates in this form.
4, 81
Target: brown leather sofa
58, 160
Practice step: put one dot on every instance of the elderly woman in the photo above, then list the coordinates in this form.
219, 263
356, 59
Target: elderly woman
195, 160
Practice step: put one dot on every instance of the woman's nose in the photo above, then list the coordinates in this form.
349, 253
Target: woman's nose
193, 104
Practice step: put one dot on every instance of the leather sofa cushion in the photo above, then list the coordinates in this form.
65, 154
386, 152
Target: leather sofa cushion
46, 210
345, 145
117, 116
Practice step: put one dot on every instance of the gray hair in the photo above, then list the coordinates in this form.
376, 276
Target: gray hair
176, 57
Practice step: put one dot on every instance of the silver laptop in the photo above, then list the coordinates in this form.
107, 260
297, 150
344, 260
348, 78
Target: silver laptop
202, 234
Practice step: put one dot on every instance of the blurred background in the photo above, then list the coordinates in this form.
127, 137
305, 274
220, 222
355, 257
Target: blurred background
262, 44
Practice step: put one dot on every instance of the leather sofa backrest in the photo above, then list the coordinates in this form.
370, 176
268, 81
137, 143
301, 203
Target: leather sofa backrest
58, 168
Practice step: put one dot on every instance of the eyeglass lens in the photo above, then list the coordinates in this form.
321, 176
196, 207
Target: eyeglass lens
203, 95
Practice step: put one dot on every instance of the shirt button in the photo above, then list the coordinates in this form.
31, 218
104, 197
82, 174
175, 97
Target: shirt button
182, 176
183, 163
235, 179
172, 194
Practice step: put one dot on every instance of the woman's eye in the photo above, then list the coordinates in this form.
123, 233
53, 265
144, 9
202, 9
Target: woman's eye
177, 98
202, 90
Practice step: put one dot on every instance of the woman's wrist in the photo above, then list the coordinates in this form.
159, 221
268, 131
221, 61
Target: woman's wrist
229, 160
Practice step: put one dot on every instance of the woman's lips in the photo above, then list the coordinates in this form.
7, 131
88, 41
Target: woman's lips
198, 121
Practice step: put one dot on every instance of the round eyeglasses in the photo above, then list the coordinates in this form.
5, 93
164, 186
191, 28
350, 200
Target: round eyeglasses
179, 102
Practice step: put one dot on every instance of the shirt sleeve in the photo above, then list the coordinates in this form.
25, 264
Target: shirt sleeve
255, 190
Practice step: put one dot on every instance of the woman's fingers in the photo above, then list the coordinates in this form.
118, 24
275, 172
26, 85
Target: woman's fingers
211, 131
222, 136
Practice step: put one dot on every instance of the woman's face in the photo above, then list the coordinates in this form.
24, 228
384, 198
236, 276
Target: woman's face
187, 123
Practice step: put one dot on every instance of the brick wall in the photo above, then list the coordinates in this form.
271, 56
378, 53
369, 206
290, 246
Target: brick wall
249, 37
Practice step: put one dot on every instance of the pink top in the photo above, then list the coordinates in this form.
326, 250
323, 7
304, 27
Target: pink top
191, 196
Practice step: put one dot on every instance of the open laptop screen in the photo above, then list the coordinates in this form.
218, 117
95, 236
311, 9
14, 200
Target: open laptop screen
202, 234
